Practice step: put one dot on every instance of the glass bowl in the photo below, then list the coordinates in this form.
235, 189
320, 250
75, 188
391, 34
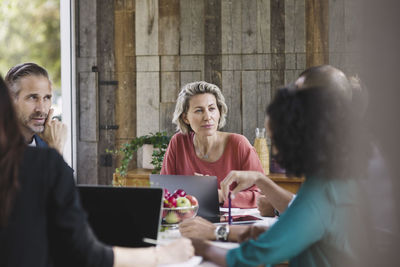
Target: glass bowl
178, 214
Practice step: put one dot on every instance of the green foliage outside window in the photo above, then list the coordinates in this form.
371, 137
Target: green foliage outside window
30, 32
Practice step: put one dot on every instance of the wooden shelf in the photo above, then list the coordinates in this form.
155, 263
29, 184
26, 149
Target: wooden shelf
290, 184
140, 177
139, 173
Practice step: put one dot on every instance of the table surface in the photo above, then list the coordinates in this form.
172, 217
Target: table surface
172, 234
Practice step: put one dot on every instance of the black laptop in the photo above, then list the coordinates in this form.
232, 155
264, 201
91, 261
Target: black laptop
122, 216
204, 188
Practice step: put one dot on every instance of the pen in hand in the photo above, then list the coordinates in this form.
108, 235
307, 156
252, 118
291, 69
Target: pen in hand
229, 209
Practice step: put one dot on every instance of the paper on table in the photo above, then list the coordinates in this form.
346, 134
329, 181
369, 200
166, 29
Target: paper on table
237, 211
232, 209
193, 261
267, 221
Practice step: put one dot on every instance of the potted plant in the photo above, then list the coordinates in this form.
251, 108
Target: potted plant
159, 140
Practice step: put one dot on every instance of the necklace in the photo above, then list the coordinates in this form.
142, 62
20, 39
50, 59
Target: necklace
205, 156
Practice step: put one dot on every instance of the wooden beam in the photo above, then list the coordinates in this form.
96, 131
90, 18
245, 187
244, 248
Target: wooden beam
125, 68
168, 47
277, 45
106, 91
317, 32
168, 27
212, 42
191, 27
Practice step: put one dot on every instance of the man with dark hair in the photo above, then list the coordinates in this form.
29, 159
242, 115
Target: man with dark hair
31, 90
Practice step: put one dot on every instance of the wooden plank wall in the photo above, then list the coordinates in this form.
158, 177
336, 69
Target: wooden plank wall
237, 44
317, 32
168, 49
125, 71
107, 88
150, 48
96, 90
148, 67
87, 95
344, 29
295, 39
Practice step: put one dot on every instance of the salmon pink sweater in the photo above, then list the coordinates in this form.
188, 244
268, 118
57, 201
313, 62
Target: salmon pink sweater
239, 154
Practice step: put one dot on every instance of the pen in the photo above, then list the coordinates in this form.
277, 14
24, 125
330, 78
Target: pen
229, 209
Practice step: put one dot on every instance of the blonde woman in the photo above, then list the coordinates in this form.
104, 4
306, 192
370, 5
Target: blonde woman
200, 148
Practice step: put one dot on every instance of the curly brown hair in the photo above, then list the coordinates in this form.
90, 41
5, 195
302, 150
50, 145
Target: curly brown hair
313, 131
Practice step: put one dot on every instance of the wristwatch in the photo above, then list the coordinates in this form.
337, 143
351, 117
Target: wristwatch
222, 232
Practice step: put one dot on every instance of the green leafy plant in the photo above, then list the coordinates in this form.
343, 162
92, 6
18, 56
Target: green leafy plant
159, 140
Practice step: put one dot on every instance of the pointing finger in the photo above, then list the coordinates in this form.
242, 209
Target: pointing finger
225, 184
49, 116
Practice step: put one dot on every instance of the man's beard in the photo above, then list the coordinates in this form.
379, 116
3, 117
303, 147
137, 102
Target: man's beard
34, 127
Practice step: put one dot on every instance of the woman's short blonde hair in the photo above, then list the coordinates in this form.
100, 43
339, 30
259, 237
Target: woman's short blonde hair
187, 92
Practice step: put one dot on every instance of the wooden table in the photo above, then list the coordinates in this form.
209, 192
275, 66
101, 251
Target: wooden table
140, 177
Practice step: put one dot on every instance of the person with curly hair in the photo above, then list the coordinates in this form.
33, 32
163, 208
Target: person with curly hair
275, 199
313, 131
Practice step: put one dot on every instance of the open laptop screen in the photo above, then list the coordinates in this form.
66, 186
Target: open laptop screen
204, 188
122, 216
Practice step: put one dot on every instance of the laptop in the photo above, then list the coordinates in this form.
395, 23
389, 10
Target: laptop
122, 216
204, 188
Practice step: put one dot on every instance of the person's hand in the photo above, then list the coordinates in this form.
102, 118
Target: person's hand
199, 174
264, 207
210, 252
252, 232
197, 228
242, 179
200, 247
55, 133
220, 196
178, 251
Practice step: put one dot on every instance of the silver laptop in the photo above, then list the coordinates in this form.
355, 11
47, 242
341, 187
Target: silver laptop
204, 188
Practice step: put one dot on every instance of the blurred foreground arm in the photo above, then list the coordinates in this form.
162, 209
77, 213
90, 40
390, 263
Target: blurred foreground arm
209, 252
265, 207
200, 228
178, 251
251, 232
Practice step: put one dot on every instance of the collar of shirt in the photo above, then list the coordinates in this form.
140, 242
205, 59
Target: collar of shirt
33, 143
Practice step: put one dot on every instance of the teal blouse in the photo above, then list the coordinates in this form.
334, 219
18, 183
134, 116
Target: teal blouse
316, 230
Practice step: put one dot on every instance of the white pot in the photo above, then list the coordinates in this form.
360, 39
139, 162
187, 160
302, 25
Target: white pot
144, 156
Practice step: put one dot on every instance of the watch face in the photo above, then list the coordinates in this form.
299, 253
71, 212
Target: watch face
222, 231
